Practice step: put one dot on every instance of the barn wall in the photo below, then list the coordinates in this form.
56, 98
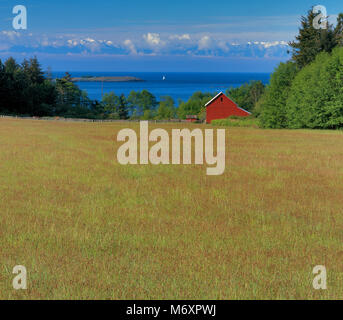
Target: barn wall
219, 109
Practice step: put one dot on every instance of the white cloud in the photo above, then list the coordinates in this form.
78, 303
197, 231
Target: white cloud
12, 35
204, 43
223, 46
198, 44
90, 40
180, 37
129, 44
72, 43
152, 39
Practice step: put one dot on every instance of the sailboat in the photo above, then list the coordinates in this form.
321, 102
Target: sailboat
164, 78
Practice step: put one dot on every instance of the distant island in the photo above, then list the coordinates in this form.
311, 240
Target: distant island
106, 79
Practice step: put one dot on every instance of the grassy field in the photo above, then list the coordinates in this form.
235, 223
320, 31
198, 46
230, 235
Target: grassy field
88, 228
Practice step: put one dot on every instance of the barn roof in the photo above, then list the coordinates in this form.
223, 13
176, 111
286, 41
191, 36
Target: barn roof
219, 94
222, 93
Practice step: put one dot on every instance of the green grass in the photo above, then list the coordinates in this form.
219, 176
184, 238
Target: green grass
244, 122
86, 227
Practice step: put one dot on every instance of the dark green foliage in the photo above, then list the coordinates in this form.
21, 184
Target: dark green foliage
141, 104
24, 90
308, 93
247, 95
338, 33
110, 103
69, 93
75, 103
147, 101
311, 41
166, 109
123, 109
194, 105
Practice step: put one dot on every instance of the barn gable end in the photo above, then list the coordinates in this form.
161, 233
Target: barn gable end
221, 107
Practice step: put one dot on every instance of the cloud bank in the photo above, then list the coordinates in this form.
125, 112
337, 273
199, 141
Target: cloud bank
151, 43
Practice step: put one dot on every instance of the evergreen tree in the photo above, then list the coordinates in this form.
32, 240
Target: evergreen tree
338, 33
311, 41
24, 90
11, 66
68, 93
3, 88
33, 70
123, 109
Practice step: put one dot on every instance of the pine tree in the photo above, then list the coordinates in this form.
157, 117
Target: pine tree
11, 66
339, 30
311, 41
123, 110
36, 73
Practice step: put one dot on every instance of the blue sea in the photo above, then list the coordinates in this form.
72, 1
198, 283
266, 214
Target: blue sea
178, 85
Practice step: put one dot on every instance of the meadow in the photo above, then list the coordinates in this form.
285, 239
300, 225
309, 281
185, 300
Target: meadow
86, 227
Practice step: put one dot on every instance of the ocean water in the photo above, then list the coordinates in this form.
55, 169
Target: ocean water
178, 85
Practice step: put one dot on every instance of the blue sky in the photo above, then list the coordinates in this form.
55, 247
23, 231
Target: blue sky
155, 35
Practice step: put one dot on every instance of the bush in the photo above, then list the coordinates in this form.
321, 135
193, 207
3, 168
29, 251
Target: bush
247, 122
272, 105
316, 95
195, 104
247, 95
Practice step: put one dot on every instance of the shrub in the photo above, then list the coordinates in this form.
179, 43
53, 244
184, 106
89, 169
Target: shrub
316, 95
234, 121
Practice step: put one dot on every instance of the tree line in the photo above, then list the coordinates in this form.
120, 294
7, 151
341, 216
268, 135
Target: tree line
25, 89
307, 91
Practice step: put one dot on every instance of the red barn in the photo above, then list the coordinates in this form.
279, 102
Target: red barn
221, 107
